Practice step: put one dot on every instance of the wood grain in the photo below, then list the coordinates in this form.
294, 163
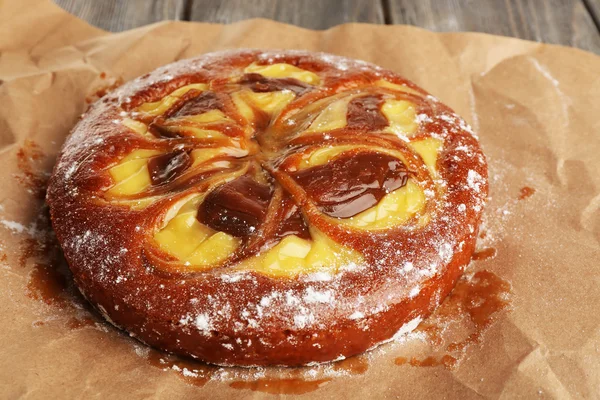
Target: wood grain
313, 14
593, 7
119, 15
565, 22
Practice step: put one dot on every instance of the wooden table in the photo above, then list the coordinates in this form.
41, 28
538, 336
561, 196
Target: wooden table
567, 22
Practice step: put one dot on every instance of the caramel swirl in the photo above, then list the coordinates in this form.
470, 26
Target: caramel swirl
350, 184
259, 83
165, 167
237, 208
365, 113
278, 154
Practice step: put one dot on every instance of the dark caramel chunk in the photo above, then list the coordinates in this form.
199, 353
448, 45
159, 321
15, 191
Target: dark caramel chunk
293, 221
166, 167
259, 83
352, 183
238, 207
162, 132
200, 104
365, 113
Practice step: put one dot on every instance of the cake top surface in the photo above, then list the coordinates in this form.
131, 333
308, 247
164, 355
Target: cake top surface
272, 177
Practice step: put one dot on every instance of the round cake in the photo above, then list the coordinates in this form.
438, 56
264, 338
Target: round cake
268, 207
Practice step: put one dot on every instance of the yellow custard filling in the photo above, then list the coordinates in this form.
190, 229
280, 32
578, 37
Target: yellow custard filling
131, 175
162, 105
294, 256
193, 243
401, 116
394, 209
199, 247
283, 70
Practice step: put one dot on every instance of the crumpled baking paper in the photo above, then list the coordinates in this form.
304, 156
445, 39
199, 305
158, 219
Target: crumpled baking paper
535, 107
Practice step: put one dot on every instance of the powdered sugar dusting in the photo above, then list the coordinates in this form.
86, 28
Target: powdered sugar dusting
407, 328
475, 181
203, 323
313, 296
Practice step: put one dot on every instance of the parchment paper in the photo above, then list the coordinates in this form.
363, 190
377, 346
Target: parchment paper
536, 110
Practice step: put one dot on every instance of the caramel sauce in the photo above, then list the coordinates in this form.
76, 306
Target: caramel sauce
103, 90
400, 360
365, 113
352, 183
433, 332
29, 248
355, 365
28, 159
293, 222
46, 285
484, 254
526, 192
200, 103
166, 167
259, 83
281, 386
286, 381
192, 372
470, 310
261, 122
238, 207
49, 280
162, 132
197, 373
446, 361
484, 295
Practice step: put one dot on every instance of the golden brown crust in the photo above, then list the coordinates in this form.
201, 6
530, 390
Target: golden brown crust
231, 317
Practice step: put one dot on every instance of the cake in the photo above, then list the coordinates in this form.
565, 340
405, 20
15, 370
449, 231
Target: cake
254, 207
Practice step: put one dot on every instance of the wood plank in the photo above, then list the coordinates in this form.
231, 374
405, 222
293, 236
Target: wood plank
313, 14
118, 15
565, 22
593, 7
